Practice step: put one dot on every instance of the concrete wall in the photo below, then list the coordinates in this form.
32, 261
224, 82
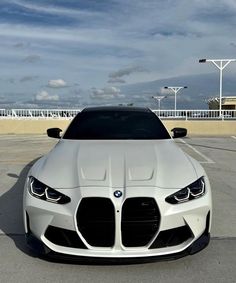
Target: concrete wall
21, 126
205, 127
195, 128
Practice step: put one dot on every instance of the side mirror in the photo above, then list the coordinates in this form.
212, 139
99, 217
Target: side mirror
179, 132
54, 133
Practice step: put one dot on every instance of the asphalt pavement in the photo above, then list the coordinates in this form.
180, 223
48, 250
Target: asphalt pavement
217, 263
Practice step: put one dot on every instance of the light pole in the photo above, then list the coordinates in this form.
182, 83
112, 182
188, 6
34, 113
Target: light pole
220, 64
159, 98
175, 89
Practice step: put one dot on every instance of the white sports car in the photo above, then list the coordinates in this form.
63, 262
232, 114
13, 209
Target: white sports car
117, 187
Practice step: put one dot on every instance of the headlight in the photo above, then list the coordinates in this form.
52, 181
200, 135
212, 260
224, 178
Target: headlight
193, 191
41, 191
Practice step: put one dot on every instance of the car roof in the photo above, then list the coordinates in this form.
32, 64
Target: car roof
116, 108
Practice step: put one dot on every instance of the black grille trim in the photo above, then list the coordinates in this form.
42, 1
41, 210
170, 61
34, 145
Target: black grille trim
140, 221
96, 221
172, 237
64, 237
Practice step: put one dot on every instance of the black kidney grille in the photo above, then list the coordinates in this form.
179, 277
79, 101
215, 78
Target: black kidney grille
140, 221
96, 221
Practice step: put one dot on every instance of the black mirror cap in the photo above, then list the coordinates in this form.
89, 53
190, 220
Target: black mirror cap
179, 132
54, 133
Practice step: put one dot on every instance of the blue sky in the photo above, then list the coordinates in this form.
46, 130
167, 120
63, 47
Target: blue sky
63, 51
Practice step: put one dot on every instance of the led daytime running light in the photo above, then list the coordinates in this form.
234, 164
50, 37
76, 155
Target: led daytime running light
43, 192
188, 193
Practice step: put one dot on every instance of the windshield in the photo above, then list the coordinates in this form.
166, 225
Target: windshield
121, 125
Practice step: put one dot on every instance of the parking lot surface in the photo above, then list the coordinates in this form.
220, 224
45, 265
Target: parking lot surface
214, 264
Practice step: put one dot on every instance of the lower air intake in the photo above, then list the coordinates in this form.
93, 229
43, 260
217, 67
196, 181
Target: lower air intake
64, 237
140, 221
96, 221
172, 237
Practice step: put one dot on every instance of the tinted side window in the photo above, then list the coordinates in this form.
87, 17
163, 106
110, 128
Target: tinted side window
116, 125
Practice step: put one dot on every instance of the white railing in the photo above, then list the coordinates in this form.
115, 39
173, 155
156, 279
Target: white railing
196, 114
67, 114
38, 113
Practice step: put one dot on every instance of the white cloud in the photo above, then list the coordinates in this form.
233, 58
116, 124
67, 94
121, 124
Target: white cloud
165, 37
106, 92
44, 96
52, 9
57, 83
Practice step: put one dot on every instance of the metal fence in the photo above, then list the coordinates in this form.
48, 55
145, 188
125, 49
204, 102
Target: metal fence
196, 114
68, 114
38, 113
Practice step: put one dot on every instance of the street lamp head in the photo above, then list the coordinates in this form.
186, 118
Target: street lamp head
159, 97
202, 61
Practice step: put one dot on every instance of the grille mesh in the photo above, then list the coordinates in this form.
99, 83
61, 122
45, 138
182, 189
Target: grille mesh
140, 221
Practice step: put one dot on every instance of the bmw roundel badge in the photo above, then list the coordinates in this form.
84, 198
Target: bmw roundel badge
117, 194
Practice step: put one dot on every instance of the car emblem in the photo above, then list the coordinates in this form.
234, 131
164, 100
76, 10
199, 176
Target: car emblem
117, 194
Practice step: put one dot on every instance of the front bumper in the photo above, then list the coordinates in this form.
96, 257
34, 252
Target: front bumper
41, 250
196, 215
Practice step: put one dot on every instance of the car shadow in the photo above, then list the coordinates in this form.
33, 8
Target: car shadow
11, 210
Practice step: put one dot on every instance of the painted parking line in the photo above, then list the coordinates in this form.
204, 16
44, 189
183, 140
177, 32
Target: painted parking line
205, 158
233, 137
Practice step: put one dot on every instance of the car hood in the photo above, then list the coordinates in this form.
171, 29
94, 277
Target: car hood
116, 164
